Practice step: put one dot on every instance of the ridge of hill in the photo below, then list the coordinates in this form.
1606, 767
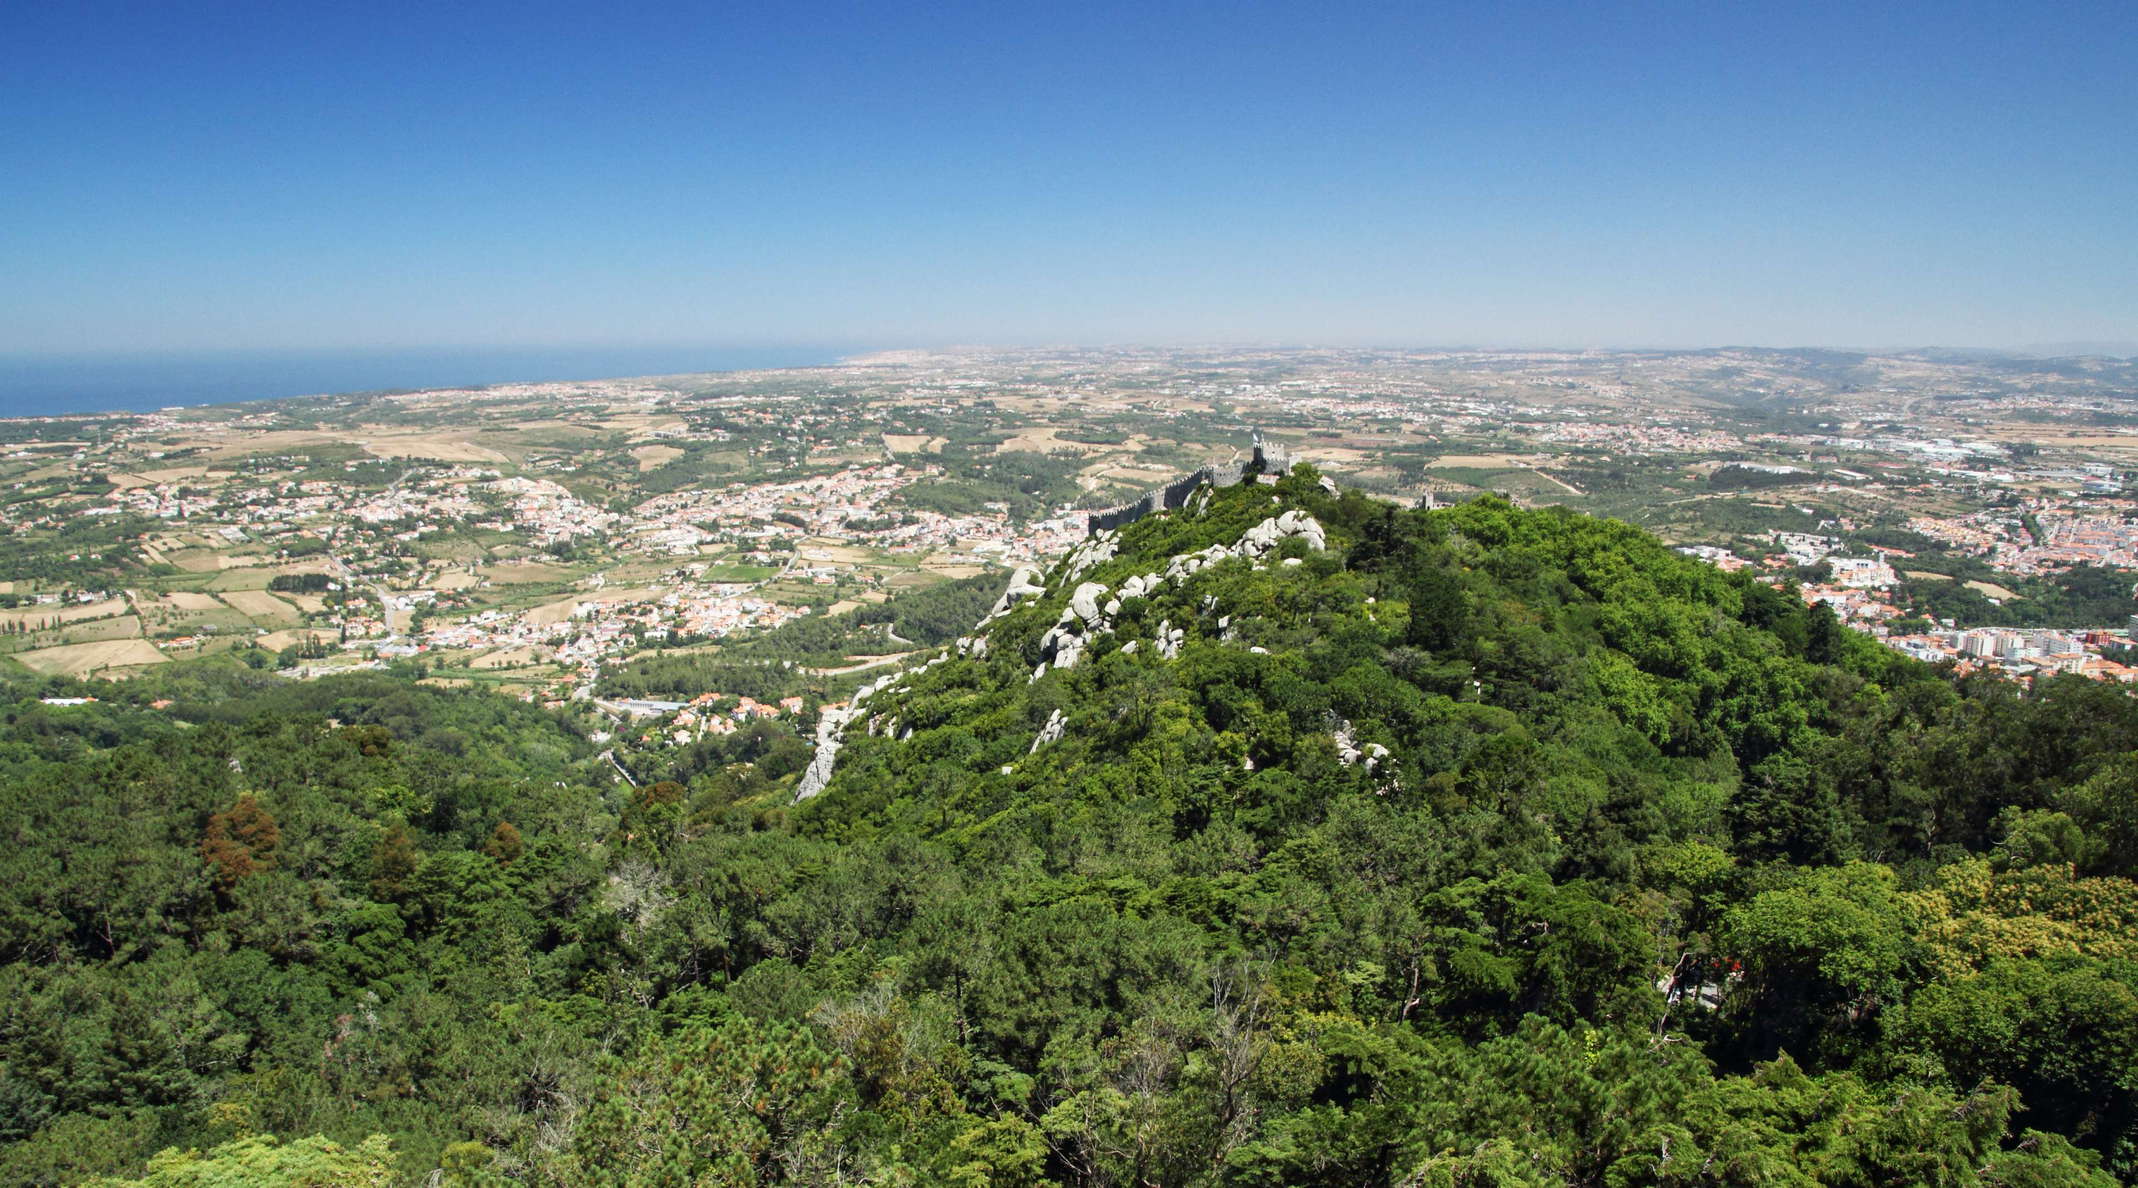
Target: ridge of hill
1287, 837
1509, 776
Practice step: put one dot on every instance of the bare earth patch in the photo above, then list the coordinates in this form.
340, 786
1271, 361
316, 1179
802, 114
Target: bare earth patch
653, 457
913, 443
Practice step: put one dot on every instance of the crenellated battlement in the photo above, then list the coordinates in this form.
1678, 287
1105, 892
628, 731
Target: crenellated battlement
1268, 458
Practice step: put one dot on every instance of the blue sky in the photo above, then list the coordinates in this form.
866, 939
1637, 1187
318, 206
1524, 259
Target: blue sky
177, 176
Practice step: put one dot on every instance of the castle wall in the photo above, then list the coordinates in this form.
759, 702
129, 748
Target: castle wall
1268, 459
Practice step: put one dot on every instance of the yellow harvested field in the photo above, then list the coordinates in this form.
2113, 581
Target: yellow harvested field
1478, 461
506, 658
1148, 476
561, 609
525, 573
835, 554
438, 447
175, 474
842, 606
197, 561
653, 457
1048, 440
275, 641
457, 580
78, 660
279, 441
555, 429
184, 600
57, 613
245, 570
552, 612
1924, 575
951, 565
1993, 590
913, 443
90, 630
260, 604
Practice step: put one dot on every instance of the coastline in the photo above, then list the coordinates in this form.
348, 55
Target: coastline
43, 386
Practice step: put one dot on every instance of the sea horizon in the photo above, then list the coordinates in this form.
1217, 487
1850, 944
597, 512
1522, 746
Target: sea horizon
53, 385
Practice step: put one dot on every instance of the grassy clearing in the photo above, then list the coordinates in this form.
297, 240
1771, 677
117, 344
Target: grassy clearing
123, 627
739, 573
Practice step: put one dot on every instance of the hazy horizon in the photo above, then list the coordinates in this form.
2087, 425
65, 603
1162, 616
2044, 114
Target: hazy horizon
83, 384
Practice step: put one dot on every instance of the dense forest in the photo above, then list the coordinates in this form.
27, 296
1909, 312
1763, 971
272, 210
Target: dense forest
1481, 846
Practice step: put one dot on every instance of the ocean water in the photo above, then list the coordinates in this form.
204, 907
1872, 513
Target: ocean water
49, 385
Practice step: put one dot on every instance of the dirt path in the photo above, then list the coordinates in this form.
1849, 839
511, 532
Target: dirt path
864, 666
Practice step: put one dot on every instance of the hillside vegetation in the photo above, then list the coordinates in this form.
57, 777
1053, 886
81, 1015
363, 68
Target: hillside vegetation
1478, 846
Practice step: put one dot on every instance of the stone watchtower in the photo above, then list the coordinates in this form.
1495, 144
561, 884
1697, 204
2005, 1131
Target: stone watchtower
1270, 457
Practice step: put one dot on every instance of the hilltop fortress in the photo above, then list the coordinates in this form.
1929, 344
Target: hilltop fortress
1268, 459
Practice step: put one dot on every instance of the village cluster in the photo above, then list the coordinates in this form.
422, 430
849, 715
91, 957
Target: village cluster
555, 530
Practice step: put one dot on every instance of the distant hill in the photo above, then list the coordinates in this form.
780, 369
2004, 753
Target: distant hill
2055, 350
1286, 838
1420, 808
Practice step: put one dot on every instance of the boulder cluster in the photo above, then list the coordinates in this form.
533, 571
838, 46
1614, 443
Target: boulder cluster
1091, 611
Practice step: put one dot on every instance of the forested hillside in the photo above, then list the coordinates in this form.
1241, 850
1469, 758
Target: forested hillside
1474, 846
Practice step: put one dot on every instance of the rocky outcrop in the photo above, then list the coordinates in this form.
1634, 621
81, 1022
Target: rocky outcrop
1091, 612
1024, 583
1099, 549
831, 733
1373, 756
1049, 733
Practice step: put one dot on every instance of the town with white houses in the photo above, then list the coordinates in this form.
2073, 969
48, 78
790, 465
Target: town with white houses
540, 536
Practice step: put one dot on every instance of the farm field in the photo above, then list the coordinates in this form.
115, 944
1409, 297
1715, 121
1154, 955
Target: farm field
78, 660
